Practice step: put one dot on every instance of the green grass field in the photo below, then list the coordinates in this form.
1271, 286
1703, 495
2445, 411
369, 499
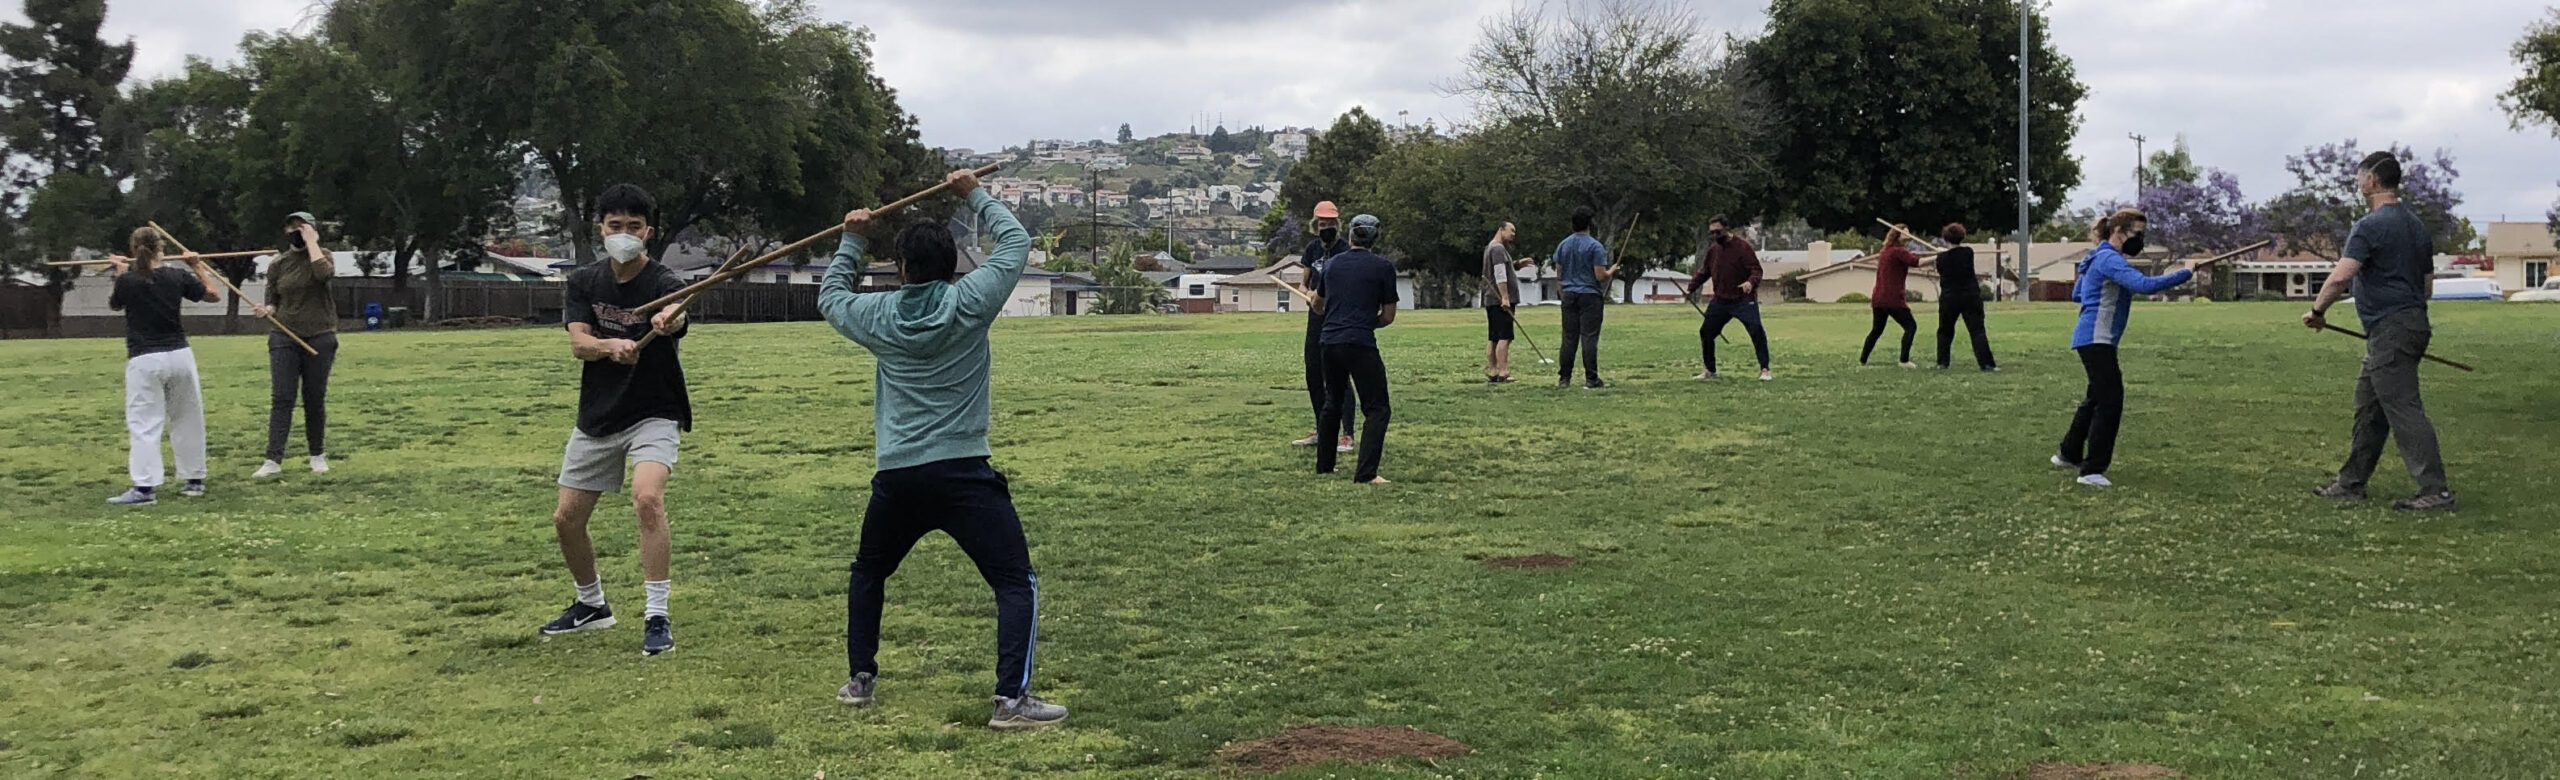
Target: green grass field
1847, 572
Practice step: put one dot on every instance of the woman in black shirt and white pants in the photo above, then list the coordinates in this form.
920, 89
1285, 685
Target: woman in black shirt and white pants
161, 392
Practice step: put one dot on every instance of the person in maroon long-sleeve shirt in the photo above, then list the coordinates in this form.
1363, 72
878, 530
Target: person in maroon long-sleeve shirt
1893, 274
1733, 270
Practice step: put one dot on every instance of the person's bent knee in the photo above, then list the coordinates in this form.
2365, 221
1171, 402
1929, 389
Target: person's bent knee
651, 505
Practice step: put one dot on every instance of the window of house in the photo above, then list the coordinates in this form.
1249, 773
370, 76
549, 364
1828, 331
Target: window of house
2535, 274
1198, 290
782, 277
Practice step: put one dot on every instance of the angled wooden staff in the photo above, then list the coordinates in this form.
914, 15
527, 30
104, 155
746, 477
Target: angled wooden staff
235, 289
214, 256
732, 262
794, 247
2428, 356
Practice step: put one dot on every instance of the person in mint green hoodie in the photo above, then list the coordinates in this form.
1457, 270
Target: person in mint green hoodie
928, 341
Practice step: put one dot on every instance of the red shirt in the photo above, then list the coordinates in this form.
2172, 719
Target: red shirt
1728, 264
1893, 272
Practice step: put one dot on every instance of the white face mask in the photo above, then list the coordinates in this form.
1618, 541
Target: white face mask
624, 247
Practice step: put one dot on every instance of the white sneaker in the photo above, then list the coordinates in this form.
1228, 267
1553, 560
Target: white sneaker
2096, 480
1309, 441
1704, 376
267, 469
1765, 375
2059, 463
319, 464
1909, 364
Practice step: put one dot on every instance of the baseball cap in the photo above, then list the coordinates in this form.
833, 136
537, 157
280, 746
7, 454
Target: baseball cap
1364, 229
302, 215
1326, 210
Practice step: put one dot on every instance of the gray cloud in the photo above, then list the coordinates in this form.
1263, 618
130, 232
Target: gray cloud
2247, 81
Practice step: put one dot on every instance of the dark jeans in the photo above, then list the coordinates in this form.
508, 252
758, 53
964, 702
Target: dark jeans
1720, 312
969, 500
2387, 405
1583, 313
1315, 377
2091, 442
288, 368
1350, 367
1971, 313
1910, 327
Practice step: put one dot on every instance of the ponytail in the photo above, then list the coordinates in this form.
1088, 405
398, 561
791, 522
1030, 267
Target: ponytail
2107, 226
144, 246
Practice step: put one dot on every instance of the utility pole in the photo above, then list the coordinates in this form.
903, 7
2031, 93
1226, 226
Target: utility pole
2026, 230
2137, 165
1094, 229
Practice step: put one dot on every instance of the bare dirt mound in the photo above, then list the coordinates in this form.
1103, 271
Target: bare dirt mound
2058, 771
1539, 561
1316, 744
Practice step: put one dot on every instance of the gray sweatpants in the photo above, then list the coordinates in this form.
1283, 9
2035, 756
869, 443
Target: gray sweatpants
290, 369
2387, 405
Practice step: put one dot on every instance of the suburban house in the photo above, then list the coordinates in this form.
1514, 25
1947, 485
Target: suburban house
2521, 254
1229, 265
1291, 144
1261, 291
1828, 275
1191, 153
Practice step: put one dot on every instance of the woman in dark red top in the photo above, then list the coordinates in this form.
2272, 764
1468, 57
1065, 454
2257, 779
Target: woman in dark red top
1893, 271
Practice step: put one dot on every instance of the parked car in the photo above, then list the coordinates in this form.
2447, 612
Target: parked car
2472, 289
2550, 292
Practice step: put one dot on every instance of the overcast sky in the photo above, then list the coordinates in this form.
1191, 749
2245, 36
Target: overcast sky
2246, 81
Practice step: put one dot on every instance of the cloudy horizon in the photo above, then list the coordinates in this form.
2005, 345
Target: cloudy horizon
2246, 82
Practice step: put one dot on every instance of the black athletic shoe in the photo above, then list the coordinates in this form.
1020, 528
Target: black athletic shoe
2339, 492
580, 617
1594, 385
193, 489
2427, 502
655, 639
1563, 382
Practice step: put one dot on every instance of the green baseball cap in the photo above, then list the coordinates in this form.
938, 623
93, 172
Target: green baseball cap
305, 216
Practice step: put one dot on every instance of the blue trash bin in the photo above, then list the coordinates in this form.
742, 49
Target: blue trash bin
372, 315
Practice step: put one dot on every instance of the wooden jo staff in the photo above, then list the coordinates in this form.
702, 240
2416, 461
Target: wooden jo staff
2429, 356
235, 289
732, 262
793, 248
214, 256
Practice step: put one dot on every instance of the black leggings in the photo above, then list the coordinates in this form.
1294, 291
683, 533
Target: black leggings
1349, 368
288, 368
1971, 313
2091, 442
973, 503
1315, 378
1910, 328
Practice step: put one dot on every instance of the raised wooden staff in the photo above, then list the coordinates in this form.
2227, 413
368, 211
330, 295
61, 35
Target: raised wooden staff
734, 257
794, 247
214, 256
235, 289
1906, 230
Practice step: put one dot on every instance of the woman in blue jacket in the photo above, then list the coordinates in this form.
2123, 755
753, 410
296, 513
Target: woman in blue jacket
2105, 291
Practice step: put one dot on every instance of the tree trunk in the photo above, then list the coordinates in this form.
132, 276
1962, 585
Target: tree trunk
431, 302
573, 206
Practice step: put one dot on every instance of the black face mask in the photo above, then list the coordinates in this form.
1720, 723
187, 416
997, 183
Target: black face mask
1328, 234
1718, 235
2133, 246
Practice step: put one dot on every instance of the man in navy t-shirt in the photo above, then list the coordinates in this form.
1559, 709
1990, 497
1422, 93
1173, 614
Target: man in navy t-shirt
1357, 295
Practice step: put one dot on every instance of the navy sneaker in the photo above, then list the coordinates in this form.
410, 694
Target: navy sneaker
133, 497
654, 638
194, 489
580, 617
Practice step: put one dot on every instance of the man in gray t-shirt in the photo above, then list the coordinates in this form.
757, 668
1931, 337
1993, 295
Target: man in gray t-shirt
2387, 262
1501, 297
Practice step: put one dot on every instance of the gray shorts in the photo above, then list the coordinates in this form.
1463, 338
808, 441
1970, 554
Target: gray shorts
595, 463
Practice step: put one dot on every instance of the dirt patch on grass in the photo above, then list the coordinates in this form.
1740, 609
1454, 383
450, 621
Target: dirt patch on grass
1539, 561
2058, 771
1311, 745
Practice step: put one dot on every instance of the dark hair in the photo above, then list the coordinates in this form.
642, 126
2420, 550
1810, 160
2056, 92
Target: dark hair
927, 253
1718, 220
627, 200
2385, 168
1954, 232
1582, 219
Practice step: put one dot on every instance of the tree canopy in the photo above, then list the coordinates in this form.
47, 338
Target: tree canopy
2317, 214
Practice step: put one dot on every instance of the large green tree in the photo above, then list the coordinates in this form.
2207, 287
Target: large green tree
2534, 98
1907, 109
1432, 202
58, 81
1625, 109
1334, 161
179, 139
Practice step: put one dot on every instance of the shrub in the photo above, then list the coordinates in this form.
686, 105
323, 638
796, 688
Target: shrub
1912, 296
2269, 295
1853, 298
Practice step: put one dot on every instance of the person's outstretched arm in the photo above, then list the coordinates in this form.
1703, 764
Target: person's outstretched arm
984, 291
2122, 273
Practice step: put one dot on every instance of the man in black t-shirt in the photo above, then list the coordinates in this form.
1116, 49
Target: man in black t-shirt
161, 390
1357, 295
632, 410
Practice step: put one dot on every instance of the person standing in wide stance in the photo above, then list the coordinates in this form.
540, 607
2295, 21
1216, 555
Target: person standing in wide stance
2387, 264
298, 296
1583, 269
1328, 242
161, 389
2105, 292
1358, 294
1732, 270
632, 412
1959, 298
1502, 297
928, 342
1889, 300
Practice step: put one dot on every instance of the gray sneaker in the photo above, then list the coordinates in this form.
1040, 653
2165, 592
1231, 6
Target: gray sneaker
856, 691
1028, 712
132, 497
2339, 491
2427, 502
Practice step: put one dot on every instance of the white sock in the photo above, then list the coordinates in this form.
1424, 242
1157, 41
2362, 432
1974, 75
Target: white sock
657, 592
592, 594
